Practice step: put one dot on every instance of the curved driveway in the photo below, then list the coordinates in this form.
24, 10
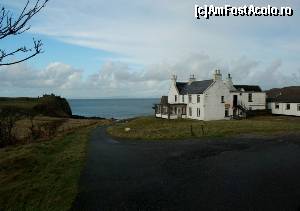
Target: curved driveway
236, 174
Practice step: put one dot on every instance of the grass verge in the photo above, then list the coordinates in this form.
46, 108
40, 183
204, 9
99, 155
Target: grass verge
150, 128
43, 176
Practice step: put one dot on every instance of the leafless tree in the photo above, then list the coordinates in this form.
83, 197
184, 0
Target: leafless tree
11, 25
8, 118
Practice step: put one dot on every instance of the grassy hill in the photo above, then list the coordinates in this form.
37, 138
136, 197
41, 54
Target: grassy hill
48, 105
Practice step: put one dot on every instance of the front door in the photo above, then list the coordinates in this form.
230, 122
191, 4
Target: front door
179, 112
226, 113
235, 99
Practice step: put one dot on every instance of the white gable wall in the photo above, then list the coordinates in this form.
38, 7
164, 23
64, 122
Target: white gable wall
171, 94
214, 109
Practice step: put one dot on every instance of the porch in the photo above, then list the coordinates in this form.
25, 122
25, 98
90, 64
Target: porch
170, 111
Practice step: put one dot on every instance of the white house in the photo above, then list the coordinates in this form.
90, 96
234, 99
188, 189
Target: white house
213, 99
285, 101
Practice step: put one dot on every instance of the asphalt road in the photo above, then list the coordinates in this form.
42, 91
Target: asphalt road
238, 174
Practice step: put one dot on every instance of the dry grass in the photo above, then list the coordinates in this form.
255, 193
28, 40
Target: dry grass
150, 128
22, 129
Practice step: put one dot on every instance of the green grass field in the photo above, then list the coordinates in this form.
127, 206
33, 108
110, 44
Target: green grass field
150, 128
42, 176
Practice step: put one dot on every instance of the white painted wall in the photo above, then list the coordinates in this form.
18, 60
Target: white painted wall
194, 105
172, 92
258, 100
282, 109
214, 109
183, 98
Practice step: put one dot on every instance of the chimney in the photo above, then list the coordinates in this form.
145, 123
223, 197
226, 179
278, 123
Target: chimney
192, 79
228, 82
217, 75
174, 79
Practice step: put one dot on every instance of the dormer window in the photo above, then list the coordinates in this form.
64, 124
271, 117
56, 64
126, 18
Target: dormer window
183, 98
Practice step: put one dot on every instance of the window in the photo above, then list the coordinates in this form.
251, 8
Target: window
190, 98
183, 98
184, 111
175, 98
250, 108
288, 106
198, 98
165, 110
250, 97
226, 113
222, 99
198, 112
190, 111
276, 105
298, 107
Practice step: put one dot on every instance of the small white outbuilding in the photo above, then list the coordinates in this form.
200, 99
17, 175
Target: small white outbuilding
285, 101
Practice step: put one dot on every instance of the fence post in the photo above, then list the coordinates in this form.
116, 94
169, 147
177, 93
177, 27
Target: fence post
192, 133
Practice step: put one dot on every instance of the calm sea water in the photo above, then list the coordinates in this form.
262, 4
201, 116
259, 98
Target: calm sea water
112, 108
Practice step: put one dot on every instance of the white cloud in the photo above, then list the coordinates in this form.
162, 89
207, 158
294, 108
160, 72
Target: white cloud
56, 77
117, 79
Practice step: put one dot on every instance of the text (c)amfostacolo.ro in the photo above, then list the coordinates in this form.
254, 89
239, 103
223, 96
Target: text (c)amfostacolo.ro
206, 11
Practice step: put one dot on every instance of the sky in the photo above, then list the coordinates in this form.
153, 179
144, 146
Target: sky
130, 49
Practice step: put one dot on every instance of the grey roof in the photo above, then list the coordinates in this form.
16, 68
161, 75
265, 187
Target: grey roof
196, 87
248, 88
284, 95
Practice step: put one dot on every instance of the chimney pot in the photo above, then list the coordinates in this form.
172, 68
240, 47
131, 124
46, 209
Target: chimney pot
217, 75
192, 78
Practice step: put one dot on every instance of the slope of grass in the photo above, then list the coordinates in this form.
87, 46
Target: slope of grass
48, 105
42, 176
150, 128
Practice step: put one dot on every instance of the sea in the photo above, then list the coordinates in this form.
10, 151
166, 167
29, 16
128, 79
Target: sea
113, 108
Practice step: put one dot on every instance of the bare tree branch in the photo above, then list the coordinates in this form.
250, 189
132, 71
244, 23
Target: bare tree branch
37, 50
11, 26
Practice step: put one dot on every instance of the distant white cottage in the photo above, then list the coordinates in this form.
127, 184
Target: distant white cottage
206, 100
284, 101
